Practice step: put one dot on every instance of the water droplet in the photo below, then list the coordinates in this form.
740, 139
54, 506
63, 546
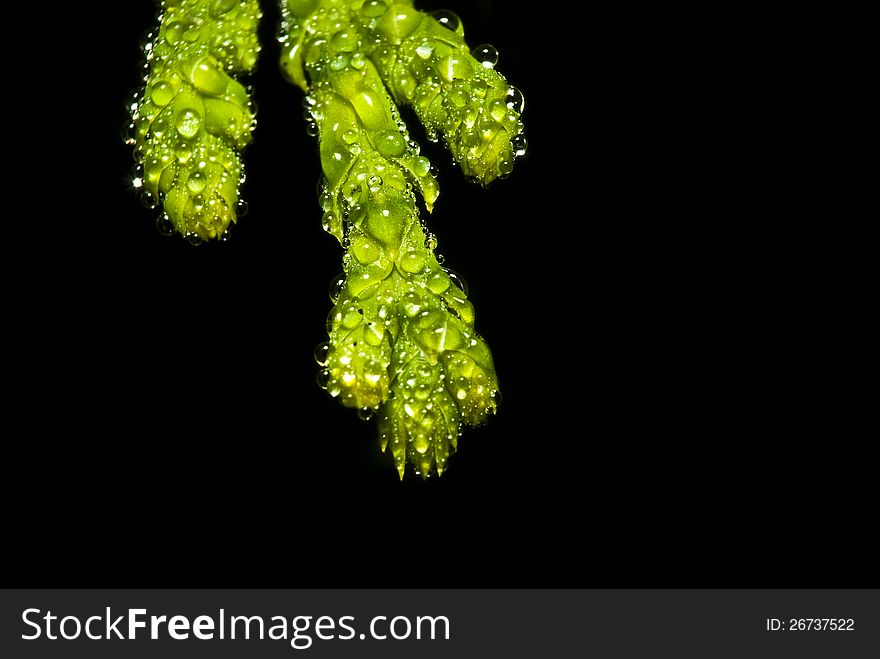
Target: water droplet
357, 214
412, 262
323, 378
421, 445
350, 136
197, 182
366, 413
339, 62
220, 7
365, 250
162, 93
374, 333
311, 129
346, 40
129, 133
321, 185
439, 257
165, 225
496, 396
188, 122
515, 100
336, 287
242, 208
446, 18
322, 353
438, 282
487, 125
431, 242
325, 200
192, 34
194, 239
374, 8
519, 144
412, 304
391, 143
421, 166
397, 26
206, 77
424, 50
357, 60
148, 200
458, 280
434, 171
423, 392
334, 318
183, 151
486, 54
328, 222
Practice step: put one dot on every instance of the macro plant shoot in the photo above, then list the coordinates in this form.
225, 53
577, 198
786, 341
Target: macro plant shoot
402, 346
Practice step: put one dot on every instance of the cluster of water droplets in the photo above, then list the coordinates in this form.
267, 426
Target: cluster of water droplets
193, 117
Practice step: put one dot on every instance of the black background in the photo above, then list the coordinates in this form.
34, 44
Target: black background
168, 429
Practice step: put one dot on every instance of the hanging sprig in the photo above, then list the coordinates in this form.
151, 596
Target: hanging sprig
194, 117
402, 341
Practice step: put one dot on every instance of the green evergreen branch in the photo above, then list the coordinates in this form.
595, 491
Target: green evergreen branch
402, 343
194, 118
